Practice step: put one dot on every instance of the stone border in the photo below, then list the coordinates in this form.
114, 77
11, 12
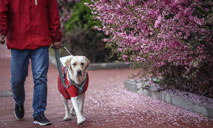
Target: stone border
117, 65
5, 94
97, 66
172, 99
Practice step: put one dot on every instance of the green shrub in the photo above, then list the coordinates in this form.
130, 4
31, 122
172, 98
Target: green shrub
81, 39
81, 17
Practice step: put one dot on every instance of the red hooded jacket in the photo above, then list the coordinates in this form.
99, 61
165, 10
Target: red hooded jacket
30, 24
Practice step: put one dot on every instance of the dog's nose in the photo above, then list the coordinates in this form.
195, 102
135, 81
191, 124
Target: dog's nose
79, 72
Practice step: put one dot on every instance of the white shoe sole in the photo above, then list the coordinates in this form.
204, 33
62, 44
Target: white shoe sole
17, 117
42, 124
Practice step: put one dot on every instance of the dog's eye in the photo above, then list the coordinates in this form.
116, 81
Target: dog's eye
82, 64
74, 64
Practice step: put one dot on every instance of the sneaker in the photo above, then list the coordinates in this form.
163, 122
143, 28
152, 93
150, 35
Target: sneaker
19, 112
41, 120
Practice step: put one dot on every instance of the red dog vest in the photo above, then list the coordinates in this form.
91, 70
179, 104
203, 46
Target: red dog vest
71, 91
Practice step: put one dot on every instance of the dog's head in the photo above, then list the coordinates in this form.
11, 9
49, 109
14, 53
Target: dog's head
77, 65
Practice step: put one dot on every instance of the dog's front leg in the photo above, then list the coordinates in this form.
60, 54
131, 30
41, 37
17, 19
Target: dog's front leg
81, 102
80, 117
73, 111
67, 110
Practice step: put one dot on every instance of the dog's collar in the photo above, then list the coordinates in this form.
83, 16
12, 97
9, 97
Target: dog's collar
80, 87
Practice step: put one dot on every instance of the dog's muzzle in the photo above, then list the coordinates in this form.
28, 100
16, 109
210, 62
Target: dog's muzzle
79, 73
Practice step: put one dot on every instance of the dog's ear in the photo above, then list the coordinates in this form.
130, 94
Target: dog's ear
88, 62
68, 62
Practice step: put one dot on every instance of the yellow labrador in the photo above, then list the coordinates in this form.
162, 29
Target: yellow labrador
76, 77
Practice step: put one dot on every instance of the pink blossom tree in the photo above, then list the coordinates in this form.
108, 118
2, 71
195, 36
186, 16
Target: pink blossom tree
160, 33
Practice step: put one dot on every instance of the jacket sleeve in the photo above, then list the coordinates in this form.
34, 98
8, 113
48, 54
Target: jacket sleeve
55, 27
4, 10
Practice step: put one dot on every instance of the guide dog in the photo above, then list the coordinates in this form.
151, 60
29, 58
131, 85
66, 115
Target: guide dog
75, 73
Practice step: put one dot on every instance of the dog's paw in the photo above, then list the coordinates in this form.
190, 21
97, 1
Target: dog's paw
73, 112
66, 118
81, 120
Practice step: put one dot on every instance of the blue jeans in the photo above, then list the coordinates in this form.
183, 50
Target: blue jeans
19, 71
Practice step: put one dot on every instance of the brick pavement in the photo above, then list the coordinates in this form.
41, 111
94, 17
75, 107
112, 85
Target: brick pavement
107, 104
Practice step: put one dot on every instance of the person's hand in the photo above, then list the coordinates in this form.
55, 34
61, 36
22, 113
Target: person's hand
2, 39
57, 45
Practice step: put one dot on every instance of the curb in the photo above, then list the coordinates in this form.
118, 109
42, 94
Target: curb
117, 65
6, 94
171, 99
97, 66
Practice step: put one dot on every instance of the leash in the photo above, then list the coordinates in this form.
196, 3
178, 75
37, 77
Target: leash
57, 57
79, 87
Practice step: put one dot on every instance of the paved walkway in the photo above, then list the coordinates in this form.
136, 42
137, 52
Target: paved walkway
107, 104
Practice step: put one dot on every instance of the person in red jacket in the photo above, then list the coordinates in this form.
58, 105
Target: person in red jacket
29, 28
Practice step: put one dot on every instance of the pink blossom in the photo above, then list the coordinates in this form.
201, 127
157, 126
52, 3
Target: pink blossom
105, 39
125, 57
197, 20
188, 11
157, 22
